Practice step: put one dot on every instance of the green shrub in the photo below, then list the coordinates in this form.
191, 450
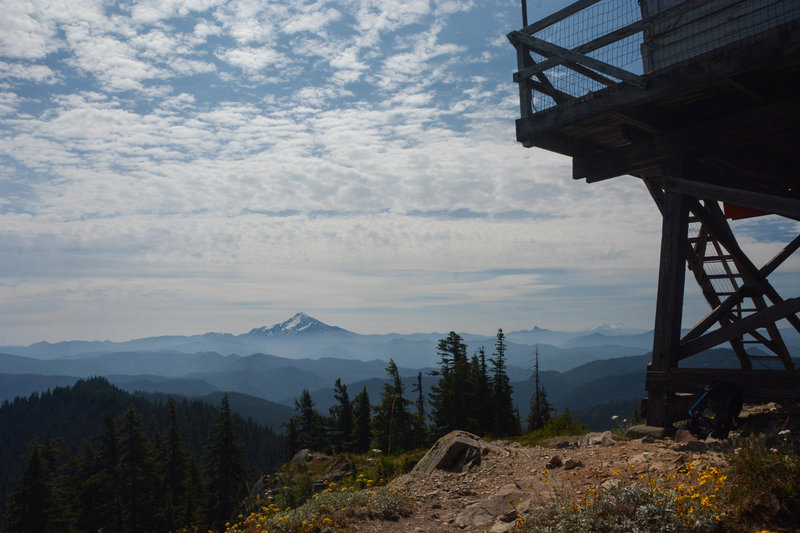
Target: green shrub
560, 425
765, 484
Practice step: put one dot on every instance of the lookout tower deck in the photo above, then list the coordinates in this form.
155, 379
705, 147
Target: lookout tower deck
701, 100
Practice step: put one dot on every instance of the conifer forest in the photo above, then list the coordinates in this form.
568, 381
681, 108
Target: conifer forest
92, 457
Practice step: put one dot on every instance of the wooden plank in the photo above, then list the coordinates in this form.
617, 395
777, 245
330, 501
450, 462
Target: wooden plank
782, 256
678, 80
558, 16
716, 24
714, 221
620, 33
556, 141
754, 384
781, 205
740, 327
565, 55
525, 97
730, 133
716, 315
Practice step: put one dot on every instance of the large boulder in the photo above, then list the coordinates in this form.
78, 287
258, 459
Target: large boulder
452, 452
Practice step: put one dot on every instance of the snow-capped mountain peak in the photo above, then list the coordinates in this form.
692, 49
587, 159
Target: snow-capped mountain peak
299, 324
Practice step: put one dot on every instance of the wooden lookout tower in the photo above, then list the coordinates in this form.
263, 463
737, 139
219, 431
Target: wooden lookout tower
700, 99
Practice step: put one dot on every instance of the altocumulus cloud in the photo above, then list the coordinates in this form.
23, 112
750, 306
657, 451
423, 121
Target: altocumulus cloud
193, 165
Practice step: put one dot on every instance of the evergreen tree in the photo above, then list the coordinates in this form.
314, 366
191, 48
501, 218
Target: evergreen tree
362, 422
137, 475
448, 397
309, 424
195, 493
483, 394
292, 444
392, 423
102, 505
420, 427
225, 471
540, 410
31, 505
174, 459
341, 418
420, 397
506, 421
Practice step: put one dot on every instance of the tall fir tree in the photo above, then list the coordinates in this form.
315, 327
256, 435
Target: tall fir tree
539, 413
31, 505
392, 424
341, 418
362, 422
174, 459
483, 394
447, 397
309, 425
137, 475
506, 420
225, 471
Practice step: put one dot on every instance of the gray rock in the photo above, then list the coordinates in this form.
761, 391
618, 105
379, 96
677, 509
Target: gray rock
302, 456
637, 432
452, 452
598, 439
554, 462
571, 464
487, 511
683, 435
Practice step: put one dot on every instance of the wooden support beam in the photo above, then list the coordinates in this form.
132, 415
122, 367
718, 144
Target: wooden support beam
669, 303
525, 96
780, 205
563, 55
555, 142
727, 134
717, 314
754, 384
742, 326
671, 279
558, 16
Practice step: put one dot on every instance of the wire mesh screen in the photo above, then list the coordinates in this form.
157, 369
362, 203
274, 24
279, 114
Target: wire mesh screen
597, 20
714, 24
684, 29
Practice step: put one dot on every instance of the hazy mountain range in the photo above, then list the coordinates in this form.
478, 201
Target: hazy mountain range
273, 364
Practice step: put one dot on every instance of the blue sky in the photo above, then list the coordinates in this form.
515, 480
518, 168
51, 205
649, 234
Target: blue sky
184, 166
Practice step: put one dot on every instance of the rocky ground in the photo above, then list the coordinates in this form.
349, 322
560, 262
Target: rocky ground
507, 479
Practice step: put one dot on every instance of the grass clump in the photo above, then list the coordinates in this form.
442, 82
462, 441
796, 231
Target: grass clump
558, 426
765, 484
325, 491
334, 507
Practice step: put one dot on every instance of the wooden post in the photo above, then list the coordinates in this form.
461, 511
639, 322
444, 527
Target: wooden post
669, 306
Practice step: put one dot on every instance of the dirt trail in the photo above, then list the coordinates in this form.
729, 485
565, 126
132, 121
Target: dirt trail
511, 479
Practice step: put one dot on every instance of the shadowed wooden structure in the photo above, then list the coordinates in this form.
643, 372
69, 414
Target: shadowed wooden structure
701, 100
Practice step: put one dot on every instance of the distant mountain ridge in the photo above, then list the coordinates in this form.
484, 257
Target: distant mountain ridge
305, 337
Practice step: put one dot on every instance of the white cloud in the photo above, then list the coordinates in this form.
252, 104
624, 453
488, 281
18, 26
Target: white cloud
253, 60
28, 72
351, 155
8, 102
24, 32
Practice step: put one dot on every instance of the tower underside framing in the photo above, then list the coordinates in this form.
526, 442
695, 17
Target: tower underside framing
718, 127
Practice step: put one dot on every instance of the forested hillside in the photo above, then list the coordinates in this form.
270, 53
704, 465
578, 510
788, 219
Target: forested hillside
106, 459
